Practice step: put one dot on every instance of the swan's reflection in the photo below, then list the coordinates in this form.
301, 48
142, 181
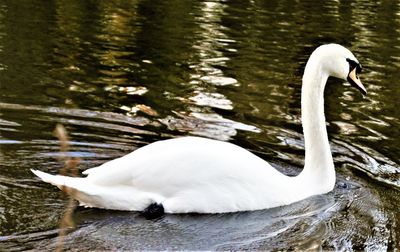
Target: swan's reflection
312, 223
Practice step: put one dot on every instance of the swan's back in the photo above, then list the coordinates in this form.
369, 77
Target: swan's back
181, 161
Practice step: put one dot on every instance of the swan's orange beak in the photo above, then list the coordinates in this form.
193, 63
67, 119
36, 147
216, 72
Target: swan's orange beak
355, 81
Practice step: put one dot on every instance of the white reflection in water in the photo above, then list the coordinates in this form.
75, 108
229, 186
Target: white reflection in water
219, 80
206, 124
215, 100
208, 46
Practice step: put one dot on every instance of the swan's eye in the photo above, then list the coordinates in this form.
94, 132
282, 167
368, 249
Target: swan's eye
353, 64
358, 68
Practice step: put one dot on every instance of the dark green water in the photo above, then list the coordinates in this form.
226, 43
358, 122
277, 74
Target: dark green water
121, 74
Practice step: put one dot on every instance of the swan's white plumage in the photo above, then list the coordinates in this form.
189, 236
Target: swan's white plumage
193, 174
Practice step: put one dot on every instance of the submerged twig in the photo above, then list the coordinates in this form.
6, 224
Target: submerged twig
69, 169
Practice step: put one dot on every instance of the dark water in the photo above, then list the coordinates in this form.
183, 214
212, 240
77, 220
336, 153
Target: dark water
121, 74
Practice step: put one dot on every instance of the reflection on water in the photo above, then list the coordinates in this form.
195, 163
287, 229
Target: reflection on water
123, 74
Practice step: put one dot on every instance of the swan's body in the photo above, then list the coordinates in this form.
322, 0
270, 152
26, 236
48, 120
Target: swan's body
193, 174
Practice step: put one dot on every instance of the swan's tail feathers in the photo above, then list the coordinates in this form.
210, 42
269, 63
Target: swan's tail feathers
56, 180
76, 187
61, 181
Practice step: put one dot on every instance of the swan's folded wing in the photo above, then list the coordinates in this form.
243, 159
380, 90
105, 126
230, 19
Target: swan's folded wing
171, 165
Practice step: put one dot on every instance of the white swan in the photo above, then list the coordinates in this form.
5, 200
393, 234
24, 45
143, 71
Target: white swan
193, 174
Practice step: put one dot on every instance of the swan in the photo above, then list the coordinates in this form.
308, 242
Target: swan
199, 175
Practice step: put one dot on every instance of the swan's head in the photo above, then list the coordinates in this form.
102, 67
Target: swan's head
339, 62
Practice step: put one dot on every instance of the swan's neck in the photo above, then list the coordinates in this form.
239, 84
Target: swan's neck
319, 172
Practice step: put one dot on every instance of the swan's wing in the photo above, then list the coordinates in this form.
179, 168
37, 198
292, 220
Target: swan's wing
186, 175
180, 163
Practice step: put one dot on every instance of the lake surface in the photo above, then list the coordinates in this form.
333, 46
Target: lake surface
121, 74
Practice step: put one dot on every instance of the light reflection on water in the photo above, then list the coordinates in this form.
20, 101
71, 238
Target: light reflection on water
120, 75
